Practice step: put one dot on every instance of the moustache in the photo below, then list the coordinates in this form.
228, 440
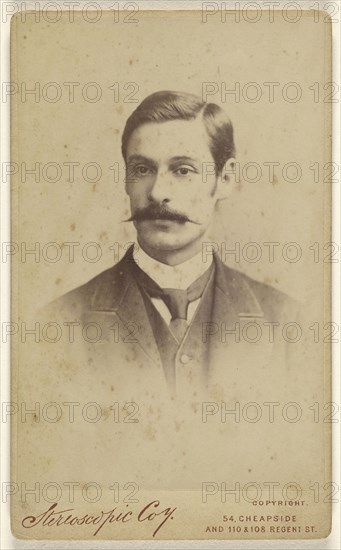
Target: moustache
158, 212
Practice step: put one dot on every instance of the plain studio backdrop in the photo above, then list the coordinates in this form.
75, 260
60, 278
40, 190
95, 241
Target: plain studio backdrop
89, 77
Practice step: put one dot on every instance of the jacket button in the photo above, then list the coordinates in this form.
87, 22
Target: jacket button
184, 359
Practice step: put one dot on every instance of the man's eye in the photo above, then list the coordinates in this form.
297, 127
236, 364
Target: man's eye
142, 170
184, 171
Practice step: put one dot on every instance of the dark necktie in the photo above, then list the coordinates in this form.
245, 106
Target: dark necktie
176, 300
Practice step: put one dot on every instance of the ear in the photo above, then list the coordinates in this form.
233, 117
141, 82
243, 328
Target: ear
227, 179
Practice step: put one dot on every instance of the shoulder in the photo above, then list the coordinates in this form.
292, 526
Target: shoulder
273, 302
271, 299
101, 292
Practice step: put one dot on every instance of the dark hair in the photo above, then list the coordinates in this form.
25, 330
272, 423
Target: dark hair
169, 105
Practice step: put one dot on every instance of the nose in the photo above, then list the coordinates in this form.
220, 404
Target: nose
161, 189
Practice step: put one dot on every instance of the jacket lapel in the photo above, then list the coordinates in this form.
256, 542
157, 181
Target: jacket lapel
236, 336
133, 314
119, 300
233, 299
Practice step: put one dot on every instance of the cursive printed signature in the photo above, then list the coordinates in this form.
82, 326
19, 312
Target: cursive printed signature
53, 517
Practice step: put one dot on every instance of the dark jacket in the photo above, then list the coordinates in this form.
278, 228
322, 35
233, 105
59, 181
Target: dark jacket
239, 324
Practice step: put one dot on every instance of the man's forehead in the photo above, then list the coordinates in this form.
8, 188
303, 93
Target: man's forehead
173, 138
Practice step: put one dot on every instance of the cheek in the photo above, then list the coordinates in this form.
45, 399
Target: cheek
202, 209
204, 195
199, 189
205, 187
136, 192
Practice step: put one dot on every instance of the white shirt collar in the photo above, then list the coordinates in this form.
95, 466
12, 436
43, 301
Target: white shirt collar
168, 276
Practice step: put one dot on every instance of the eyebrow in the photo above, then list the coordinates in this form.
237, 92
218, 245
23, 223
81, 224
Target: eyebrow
183, 158
141, 158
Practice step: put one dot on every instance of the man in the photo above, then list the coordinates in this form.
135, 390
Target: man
168, 320
178, 356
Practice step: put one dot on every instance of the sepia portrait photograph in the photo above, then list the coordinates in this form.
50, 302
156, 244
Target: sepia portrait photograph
171, 251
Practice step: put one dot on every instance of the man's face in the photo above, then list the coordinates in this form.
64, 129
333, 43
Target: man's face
171, 183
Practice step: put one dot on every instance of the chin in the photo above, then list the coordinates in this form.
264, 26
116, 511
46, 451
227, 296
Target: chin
168, 239
163, 242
